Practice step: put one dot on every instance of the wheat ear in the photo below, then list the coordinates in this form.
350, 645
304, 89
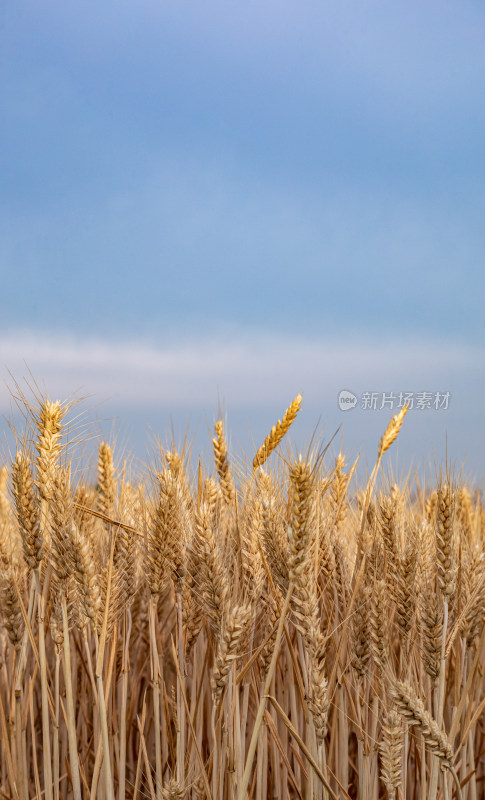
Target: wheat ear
277, 433
48, 445
106, 481
10, 606
86, 576
411, 707
222, 464
28, 511
390, 748
229, 647
392, 431
444, 541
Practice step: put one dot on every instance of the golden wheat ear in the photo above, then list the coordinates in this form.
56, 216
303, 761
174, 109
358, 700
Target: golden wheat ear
222, 464
277, 433
411, 707
390, 747
49, 422
392, 431
28, 510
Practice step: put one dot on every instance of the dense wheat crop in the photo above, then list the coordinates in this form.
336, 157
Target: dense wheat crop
261, 631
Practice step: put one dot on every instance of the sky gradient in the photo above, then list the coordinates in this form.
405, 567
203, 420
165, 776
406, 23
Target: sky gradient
211, 203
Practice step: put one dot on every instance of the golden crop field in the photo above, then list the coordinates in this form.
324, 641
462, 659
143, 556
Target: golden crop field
236, 630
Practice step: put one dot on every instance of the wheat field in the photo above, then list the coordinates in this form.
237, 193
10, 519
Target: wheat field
257, 628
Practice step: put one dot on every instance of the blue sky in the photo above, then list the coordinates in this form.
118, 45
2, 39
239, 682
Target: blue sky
214, 202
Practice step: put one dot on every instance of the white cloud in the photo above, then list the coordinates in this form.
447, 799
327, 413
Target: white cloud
150, 386
253, 370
